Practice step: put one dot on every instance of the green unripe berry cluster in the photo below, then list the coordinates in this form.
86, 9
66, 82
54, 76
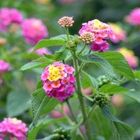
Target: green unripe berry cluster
61, 134
100, 99
102, 80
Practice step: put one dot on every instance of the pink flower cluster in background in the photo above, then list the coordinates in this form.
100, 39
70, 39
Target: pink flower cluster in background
59, 113
4, 66
118, 34
40, 52
58, 81
9, 16
100, 31
13, 128
134, 17
129, 56
33, 30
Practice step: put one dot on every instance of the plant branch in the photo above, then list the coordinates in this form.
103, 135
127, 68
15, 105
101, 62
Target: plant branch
80, 97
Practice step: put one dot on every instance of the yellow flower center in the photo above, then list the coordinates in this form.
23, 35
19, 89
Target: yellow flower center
54, 73
98, 24
15, 121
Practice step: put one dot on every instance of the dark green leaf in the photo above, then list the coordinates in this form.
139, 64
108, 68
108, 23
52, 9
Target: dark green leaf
41, 104
121, 130
62, 54
56, 41
42, 123
112, 89
134, 95
88, 81
119, 63
96, 62
40, 62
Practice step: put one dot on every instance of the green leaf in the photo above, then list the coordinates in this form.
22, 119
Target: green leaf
55, 41
40, 62
135, 95
119, 63
59, 55
122, 131
137, 75
100, 124
17, 102
88, 81
98, 64
43, 123
41, 104
112, 89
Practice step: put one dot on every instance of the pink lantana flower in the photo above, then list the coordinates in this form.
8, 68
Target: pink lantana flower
9, 16
134, 17
33, 30
13, 128
58, 81
101, 32
100, 47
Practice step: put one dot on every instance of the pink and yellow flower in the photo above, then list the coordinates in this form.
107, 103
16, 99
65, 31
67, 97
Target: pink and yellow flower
118, 34
13, 128
33, 30
134, 17
129, 56
101, 32
9, 16
58, 81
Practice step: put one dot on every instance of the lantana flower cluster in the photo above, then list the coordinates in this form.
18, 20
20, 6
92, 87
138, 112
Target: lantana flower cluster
99, 32
58, 81
33, 30
9, 16
129, 56
134, 17
13, 128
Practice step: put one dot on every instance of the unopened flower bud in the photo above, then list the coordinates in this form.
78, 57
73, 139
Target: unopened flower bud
66, 21
87, 37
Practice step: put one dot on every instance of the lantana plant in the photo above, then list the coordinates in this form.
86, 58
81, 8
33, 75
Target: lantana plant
79, 62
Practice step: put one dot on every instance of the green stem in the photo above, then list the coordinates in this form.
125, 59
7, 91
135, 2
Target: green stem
67, 33
72, 114
80, 97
